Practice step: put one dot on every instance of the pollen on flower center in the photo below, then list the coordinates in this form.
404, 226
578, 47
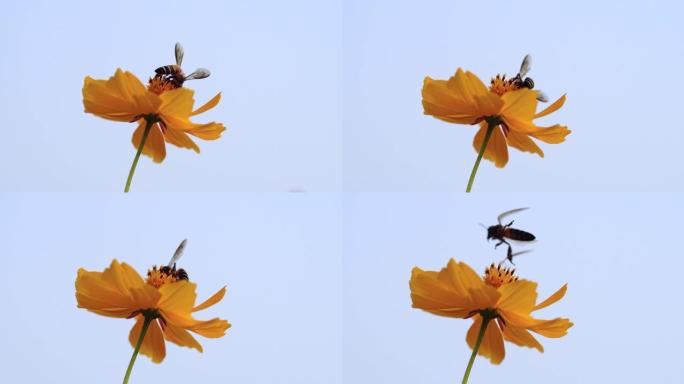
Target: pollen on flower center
158, 277
497, 276
160, 85
500, 85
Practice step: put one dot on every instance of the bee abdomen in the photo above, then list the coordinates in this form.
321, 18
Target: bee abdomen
181, 274
516, 234
528, 83
166, 70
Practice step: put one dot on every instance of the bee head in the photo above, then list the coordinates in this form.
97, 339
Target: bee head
491, 232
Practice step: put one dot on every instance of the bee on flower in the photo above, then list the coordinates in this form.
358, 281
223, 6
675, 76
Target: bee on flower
505, 112
161, 110
162, 305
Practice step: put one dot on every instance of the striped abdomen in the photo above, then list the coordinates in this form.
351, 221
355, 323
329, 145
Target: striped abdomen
516, 234
168, 70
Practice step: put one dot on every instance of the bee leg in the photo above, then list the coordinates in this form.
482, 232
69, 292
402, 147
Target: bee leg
509, 255
501, 242
509, 224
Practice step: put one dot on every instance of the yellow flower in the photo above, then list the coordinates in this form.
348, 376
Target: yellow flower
119, 291
458, 291
464, 99
124, 98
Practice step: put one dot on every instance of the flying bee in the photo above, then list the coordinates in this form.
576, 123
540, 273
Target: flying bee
170, 268
173, 73
502, 232
520, 81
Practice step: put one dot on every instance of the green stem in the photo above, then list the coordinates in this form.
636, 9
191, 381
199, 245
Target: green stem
148, 127
146, 324
491, 124
480, 336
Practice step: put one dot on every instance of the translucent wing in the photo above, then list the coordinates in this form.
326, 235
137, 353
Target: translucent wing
520, 253
541, 96
179, 54
511, 255
512, 211
179, 252
526, 65
200, 73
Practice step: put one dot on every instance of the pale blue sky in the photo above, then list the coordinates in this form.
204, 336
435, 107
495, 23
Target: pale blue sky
618, 254
279, 255
279, 71
619, 62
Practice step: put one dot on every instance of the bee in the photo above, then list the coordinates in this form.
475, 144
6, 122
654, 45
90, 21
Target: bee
520, 81
173, 73
170, 268
502, 232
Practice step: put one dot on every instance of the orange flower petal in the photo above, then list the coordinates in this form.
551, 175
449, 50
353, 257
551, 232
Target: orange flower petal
520, 337
559, 294
153, 344
209, 131
552, 135
180, 139
181, 337
519, 296
445, 104
215, 298
154, 145
208, 105
518, 319
118, 291
523, 143
492, 346
552, 328
455, 291
177, 102
178, 297
551, 108
438, 296
497, 149
121, 98
465, 279
520, 104
471, 89
213, 328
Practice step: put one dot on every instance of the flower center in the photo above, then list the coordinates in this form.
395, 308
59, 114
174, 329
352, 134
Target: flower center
157, 277
497, 276
501, 85
160, 85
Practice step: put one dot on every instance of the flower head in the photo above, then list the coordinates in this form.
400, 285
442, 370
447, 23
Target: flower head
464, 99
457, 291
124, 98
166, 296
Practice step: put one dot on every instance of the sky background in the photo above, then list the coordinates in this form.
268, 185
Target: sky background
278, 69
619, 62
279, 255
618, 255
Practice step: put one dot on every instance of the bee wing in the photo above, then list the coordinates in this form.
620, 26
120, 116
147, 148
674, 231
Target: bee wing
501, 216
200, 73
179, 54
525, 66
541, 96
179, 252
520, 253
